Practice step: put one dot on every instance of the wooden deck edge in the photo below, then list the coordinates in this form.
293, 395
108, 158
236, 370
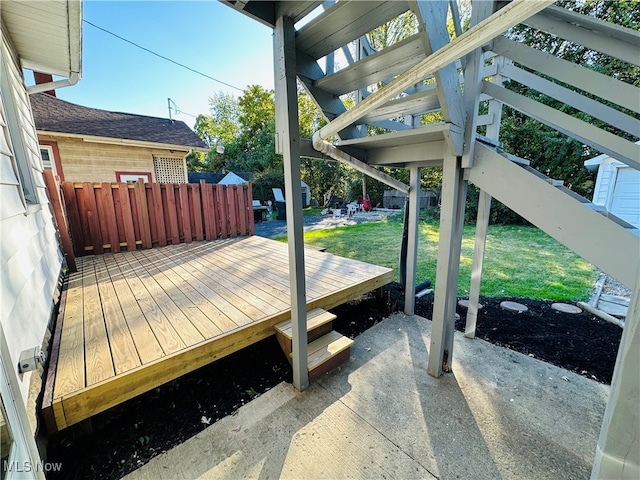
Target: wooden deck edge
48, 412
89, 401
341, 296
101, 396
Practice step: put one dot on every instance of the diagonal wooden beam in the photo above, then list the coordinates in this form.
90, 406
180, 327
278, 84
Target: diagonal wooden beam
499, 22
432, 17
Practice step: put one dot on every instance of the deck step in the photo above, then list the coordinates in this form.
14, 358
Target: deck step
319, 323
326, 353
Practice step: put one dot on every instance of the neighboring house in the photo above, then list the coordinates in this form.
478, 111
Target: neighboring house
45, 36
232, 179
87, 144
617, 187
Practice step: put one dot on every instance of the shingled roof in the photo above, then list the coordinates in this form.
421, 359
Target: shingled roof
52, 114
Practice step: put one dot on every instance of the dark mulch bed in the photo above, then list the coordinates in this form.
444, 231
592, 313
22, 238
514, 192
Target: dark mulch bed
127, 436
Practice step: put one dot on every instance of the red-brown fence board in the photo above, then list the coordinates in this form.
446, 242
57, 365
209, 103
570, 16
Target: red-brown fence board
127, 216
221, 191
172, 214
109, 219
73, 217
161, 232
105, 216
92, 217
196, 212
56, 199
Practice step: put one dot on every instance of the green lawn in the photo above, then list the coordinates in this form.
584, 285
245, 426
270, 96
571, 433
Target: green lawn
519, 261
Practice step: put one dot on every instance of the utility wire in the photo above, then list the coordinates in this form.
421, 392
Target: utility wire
162, 56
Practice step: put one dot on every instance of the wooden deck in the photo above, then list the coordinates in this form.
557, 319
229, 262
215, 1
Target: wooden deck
132, 321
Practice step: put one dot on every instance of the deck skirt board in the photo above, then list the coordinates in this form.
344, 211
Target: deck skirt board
136, 320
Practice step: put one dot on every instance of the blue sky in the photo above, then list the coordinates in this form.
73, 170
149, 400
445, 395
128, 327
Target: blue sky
205, 35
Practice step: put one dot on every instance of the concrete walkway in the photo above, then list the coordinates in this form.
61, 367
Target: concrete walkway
500, 414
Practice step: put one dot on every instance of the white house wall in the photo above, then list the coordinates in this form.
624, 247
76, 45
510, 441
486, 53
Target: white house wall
30, 259
625, 195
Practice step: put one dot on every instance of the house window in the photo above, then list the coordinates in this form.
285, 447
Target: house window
46, 153
133, 176
169, 169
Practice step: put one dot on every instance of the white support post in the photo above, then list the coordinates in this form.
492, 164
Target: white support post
412, 243
446, 289
288, 144
482, 224
474, 66
618, 449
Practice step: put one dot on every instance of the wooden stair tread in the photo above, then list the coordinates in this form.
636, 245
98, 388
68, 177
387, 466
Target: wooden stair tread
315, 318
326, 347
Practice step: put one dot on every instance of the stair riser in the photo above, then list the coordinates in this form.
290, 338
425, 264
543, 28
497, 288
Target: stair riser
312, 335
330, 364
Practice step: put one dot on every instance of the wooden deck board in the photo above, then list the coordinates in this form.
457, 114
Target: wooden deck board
146, 343
153, 315
123, 349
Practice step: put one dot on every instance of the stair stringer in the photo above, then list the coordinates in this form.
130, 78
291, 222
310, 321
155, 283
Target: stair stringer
591, 235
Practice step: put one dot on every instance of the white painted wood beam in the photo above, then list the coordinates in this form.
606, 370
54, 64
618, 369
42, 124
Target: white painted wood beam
428, 154
571, 28
288, 145
618, 445
619, 148
343, 23
482, 226
607, 88
425, 101
446, 286
375, 68
505, 18
585, 231
609, 115
330, 105
432, 17
337, 154
412, 241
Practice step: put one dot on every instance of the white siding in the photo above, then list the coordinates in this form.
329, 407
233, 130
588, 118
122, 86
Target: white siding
625, 197
30, 259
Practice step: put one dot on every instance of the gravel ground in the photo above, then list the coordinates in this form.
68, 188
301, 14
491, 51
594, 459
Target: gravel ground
613, 287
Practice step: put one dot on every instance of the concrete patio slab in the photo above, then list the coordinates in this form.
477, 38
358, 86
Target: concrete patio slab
500, 414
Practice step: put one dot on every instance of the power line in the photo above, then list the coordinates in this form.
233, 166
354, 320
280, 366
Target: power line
162, 56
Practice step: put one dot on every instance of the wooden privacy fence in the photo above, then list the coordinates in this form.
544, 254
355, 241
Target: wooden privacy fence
110, 217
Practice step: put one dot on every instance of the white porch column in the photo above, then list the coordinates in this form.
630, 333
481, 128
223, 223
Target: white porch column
288, 144
412, 243
618, 450
482, 225
454, 192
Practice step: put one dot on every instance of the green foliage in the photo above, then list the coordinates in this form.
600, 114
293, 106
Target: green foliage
263, 183
549, 151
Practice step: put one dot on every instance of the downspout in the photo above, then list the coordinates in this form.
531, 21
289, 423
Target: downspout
66, 82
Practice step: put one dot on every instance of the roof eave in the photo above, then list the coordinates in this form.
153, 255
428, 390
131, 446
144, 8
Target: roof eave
123, 141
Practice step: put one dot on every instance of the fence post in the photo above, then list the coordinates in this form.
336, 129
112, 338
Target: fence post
60, 218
